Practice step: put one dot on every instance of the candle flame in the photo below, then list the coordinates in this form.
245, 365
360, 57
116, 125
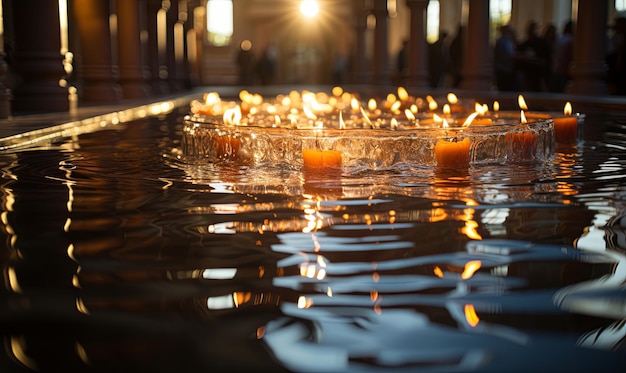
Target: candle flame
309, 113
394, 123
403, 94
446, 109
395, 106
452, 98
470, 268
371, 104
437, 118
354, 103
496, 106
521, 102
277, 121
414, 109
391, 98
409, 114
470, 315
342, 124
470, 119
445, 123
432, 104
523, 117
366, 118
212, 98
232, 116
567, 110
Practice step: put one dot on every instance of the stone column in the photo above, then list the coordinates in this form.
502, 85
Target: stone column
129, 50
417, 69
156, 56
99, 83
173, 61
359, 57
381, 52
478, 71
38, 62
589, 68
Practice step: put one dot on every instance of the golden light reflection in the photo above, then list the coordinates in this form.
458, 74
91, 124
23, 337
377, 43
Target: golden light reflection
470, 315
12, 279
18, 349
438, 272
470, 268
80, 306
304, 302
82, 354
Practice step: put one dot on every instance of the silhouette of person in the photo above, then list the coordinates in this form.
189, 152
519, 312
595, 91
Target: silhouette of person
504, 59
533, 55
563, 56
456, 56
245, 61
438, 61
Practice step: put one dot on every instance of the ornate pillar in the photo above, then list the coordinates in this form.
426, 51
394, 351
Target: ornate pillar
129, 50
99, 81
417, 72
477, 71
37, 57
359, 57
381, 52
589, 68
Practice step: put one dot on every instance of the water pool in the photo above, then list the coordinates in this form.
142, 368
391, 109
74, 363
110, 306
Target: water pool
120, 256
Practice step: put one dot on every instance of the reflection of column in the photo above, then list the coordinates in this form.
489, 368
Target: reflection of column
5, 93
92, 20
37, 58
359, 57
155, 55
129, 50
477, 74
589, 68
381, 54
417, 75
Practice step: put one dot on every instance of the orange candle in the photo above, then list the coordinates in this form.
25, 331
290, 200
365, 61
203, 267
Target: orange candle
317, 159
227, 146
566, 126
452, 152
523, 144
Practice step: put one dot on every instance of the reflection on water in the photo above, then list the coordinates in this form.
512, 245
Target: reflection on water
120, 256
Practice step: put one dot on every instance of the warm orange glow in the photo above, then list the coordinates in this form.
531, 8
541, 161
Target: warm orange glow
470, 230
470, 119
470, 268
446, 109
496, 106
371, 104
432, 104
452, 98
403, 95
409, 114
438, 272
373, 295
315, 158
366, 118
240, 297
394, 123
342, 123
522, 117
470, 315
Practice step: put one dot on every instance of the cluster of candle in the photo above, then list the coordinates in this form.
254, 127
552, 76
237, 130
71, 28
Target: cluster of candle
322, 121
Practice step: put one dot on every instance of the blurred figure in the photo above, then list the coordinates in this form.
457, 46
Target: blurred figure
456, 57
504, 59
438, 60
550, 37
266, 66
532, 58
401, 62
616, 58
563, 57
245, 62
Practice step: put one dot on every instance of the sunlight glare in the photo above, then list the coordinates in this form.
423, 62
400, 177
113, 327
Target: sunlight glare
309, 8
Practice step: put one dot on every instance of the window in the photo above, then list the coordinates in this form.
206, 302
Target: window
620, 5
219, 22
432, 22
500, 11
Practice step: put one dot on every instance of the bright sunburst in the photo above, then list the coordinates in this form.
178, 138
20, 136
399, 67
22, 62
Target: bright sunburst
309, 8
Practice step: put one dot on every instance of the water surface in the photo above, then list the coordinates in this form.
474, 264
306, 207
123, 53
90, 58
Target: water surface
120, 256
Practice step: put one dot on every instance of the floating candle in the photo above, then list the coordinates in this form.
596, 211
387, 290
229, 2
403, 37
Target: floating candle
318, 159
566, 126
452, 152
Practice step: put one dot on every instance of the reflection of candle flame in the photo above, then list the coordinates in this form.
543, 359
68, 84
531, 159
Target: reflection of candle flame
342, 124
438, 272
521, 102
567, 110
470, 119
470, 315
452, 98
367, 119
470, 268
